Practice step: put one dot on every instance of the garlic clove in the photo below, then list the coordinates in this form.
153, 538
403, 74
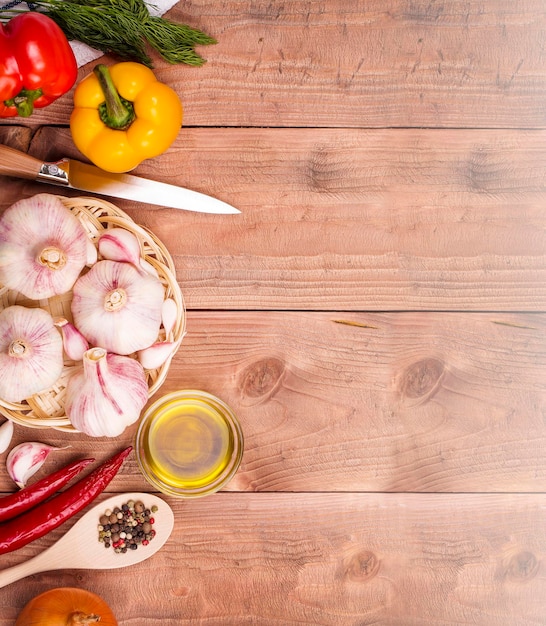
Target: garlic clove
26, 459
117, 307
74, 343
43, 247
92, 253
118, 244
155, 355
148, 267
107, 395
6, 434
169, 315
31, 352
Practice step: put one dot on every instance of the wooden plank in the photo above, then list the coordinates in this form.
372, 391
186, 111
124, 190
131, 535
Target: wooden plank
271, 559
381, 63
18, 137
450, 402
411, 402
363, 220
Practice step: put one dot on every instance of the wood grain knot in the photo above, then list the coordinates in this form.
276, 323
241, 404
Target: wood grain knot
181, 592
326, 169
362, 566
262, 377
523, 566
421, 378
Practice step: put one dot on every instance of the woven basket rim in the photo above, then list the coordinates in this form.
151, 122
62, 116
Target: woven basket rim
96, 216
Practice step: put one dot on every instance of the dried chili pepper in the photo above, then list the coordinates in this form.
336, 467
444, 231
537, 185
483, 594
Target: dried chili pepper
42, 519
25, 499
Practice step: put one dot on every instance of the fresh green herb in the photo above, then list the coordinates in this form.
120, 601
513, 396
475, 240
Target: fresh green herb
123, 28
175, 41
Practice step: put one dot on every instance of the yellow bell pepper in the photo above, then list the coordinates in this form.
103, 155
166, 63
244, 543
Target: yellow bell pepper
123, 115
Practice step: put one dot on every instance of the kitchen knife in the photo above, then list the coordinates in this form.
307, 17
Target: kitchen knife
72, 174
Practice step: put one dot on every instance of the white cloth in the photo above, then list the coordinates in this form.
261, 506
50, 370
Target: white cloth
83, 53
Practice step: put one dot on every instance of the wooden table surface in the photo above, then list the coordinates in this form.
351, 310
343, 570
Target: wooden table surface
374, 316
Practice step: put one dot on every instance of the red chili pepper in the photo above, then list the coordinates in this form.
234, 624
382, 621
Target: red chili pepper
42, 519
25, 499
37, 64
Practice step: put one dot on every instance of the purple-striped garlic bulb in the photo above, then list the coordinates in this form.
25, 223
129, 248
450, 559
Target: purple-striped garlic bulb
117, 307
106, 395
43, 247
31, 352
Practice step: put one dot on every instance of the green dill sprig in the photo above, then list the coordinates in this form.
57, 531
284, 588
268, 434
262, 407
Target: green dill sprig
175, 41
124, 28
103, 28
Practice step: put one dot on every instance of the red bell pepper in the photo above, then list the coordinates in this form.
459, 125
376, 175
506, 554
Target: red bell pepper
37, 64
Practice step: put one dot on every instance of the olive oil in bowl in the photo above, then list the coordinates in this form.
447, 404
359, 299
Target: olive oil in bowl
189, 443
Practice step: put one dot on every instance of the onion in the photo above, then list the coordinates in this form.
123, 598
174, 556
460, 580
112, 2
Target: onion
66, 606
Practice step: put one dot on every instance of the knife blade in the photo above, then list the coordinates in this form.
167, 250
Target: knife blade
73, 174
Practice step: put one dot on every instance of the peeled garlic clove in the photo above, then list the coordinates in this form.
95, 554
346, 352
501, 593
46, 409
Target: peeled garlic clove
169, 315
31, 352
117, 307
6, 433
118, 244
155, 355
43, 247
107, 395
74, 343
26, 459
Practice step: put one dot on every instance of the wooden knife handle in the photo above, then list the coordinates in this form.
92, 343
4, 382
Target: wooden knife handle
18, 164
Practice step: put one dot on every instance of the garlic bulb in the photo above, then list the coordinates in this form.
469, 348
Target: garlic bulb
117, 307
26, 459
107, 395
43, 247
31, 352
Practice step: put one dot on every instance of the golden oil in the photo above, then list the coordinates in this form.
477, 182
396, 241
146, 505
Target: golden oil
189, 443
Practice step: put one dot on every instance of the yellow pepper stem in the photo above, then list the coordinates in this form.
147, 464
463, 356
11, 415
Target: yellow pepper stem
115, 111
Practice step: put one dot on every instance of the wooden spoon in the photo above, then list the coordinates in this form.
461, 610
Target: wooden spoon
79, 548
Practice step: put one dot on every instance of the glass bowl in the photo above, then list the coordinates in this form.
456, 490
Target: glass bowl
189, 444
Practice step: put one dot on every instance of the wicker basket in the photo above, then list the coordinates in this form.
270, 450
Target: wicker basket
46, 409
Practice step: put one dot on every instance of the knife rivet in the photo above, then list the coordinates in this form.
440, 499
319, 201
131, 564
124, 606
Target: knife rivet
53, 169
